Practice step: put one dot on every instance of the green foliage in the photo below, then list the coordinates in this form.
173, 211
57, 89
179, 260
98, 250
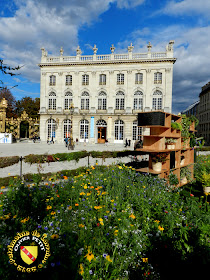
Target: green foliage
185, 172
173, 180
159, 157
176, 125
108, 223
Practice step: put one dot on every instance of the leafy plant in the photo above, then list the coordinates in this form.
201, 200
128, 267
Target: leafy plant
173, 180
176, 125
159, 157
170, 140
185, 172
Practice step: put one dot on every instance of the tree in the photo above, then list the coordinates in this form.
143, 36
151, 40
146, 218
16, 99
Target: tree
6, 93
31, 106
7, 70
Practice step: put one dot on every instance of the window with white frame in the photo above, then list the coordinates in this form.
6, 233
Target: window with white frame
84, 129
157, 100
102, 79
139, 78
85, 101
51, 125
120, 101
68, 100
52, 80
119, 129
85, 80
138, 100
68, 80
67, 128
120, 79
102, 101
52, 101
137, 131
157, 78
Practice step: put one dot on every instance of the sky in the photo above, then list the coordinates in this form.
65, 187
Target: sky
28, 25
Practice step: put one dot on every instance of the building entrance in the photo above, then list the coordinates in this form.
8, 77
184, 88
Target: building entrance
101, 134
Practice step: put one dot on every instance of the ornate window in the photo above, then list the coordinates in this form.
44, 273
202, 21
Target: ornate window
68, 80
120, 101
52, 80
119, 129
102, 101
68, 100
67, 128
138, 101
157, 78
139, 78
52, 101
102, 79
157, 100
51, 125
84, 129
85, 80
120, 79
85, 101
101, 123
137, 131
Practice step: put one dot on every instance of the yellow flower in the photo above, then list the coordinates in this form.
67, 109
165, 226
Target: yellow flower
145, 260
160, 228
70, 207
116, 232
112, 200
96, 163
49, 207
81, 225
108, 258
14, 216
1, 205
82, 193
3, 187
132, 216
97, 207
53, 213
89, 193
44, 235
81, 269
54, 236
156, 221
120, 167
89, 256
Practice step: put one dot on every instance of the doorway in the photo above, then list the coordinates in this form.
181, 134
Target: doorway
101, 135
24, 129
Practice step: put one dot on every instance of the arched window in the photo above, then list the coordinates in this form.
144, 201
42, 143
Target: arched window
137, 131
52, 80
85, 101
84, 129
68, 80
119, 129
120, 101
138, 100
68, 100
157, 100
67, 128
52, 101
157, 78
101, 123
51, 125
102, 101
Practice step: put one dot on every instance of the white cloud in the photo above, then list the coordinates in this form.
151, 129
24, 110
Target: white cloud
187, 7
128, 4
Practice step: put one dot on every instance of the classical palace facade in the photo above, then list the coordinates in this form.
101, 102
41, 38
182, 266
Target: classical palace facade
107, 92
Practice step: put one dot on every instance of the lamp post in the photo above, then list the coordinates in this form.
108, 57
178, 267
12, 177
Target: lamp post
71, 141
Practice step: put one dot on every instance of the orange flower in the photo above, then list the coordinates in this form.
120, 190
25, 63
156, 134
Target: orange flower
76, 204
65, 177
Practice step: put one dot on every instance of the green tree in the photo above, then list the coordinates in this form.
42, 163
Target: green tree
31, 106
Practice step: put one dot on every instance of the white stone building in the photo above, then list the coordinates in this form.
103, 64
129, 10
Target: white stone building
107, 92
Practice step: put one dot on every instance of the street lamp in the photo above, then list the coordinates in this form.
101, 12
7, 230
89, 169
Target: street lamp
71, 141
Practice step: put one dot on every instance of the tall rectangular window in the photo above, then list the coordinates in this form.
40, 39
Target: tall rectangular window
85, 80
68, 80
52, 80
139, 78
102, 79
52, 104
158, 78
120, 79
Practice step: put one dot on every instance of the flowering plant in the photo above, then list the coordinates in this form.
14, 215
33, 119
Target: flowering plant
170, 140
159, 157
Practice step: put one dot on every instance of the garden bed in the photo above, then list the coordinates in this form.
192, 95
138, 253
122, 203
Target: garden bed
109, 223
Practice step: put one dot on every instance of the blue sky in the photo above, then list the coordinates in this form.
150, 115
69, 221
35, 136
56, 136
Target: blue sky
28, 25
